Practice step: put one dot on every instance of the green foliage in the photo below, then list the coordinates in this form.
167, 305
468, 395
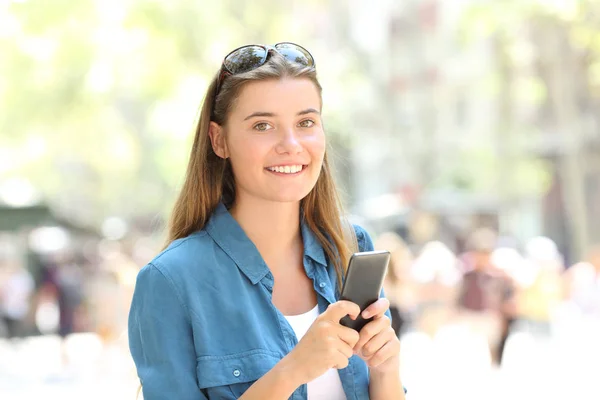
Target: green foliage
515, 30
99, 98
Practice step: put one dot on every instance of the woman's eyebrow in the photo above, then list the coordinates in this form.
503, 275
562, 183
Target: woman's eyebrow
308, 111
259, 114
270, 114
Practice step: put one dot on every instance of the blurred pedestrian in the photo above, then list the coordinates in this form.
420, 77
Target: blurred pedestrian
437, 278
110, 293
539, 298
62, 283
487, 295
70, 296
400, 288
582, 285
16, 291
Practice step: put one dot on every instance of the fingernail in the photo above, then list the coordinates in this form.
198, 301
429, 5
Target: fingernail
366, 314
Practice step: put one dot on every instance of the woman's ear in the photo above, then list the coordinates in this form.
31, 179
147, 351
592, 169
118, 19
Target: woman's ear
217, 139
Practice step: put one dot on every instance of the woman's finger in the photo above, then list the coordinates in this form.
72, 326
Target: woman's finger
348, 335
377, 308
389, 350
370, 330
340, 309
376, 343
345, 350
341, 361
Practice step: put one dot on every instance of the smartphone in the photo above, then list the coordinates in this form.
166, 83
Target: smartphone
363, 283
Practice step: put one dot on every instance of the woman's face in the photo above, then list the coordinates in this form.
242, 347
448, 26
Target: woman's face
274, 139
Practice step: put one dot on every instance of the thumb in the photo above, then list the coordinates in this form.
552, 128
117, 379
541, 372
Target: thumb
338, 310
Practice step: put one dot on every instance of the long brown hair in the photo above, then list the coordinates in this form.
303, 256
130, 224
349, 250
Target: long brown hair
209, 179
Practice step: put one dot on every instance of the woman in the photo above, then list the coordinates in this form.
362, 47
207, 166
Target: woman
243, 300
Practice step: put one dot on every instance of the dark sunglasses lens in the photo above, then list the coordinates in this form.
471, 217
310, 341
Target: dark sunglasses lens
295, 53
245, 59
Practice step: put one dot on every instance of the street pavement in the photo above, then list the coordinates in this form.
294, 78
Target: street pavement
453, 365
33, 369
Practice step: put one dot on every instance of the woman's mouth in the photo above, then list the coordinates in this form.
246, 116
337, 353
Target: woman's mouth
287, 169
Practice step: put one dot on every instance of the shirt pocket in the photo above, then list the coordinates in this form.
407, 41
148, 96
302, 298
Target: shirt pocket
228, 377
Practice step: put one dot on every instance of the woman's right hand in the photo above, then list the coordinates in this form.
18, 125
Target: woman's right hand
326, 344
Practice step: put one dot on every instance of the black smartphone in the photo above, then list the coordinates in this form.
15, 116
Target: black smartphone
363, 283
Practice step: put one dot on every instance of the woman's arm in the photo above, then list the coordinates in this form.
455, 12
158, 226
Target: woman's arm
379, 347
277, 384
160, 339
386, 385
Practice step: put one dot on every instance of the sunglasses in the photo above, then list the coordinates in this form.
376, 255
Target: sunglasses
249, 57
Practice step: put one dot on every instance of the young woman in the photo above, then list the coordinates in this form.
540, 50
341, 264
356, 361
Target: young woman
243, 301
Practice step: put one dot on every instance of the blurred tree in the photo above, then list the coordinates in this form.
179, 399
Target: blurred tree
99, 98
548, 53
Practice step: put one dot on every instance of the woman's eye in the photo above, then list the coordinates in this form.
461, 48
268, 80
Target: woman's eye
307, 123
262, 126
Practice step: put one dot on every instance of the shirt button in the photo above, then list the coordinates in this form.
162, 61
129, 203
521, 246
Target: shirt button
322, 284
236, 372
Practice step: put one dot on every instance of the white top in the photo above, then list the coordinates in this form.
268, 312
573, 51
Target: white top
328, 386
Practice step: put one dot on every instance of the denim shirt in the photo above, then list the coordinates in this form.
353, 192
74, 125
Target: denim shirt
202, 324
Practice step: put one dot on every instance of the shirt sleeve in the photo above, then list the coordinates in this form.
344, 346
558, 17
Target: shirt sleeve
160, 339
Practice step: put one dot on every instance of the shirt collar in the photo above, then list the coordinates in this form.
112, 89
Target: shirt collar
230, 237
312, 246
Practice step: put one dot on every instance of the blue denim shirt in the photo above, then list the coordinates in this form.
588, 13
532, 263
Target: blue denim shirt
202, 324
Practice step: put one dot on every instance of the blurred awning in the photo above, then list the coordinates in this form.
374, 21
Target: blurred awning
13, 219
16, 218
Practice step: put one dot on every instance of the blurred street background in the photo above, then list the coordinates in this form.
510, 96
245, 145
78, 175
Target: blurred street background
466, 139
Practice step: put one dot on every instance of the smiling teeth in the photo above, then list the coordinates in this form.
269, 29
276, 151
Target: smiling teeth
288, 169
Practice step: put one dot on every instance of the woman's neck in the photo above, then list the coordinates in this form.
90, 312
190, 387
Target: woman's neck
274, 227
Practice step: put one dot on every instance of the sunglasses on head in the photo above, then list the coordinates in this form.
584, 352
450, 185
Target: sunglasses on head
249, 57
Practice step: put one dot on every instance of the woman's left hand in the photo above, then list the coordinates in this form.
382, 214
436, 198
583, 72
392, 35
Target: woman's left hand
378, 344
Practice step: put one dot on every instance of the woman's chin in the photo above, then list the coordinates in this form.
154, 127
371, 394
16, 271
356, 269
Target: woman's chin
289, 197
277, 194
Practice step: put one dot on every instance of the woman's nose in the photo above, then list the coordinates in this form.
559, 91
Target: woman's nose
289, 142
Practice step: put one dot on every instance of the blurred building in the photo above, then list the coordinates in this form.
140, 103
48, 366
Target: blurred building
454, 121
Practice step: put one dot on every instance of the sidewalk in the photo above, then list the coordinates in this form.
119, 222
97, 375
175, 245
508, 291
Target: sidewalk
32, 369
453, 366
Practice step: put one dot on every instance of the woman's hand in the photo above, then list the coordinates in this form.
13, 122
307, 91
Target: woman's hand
378, 344
327, 344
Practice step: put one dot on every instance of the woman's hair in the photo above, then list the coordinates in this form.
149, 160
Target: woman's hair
209, 179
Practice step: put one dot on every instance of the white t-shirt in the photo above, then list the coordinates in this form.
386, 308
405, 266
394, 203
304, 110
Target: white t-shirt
328, 386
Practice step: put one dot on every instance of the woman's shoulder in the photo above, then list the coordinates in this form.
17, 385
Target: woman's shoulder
365, 243
185, 256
